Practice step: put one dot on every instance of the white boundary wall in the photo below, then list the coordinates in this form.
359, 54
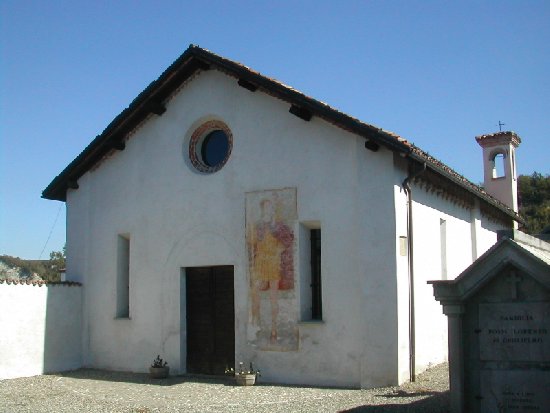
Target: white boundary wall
40, 329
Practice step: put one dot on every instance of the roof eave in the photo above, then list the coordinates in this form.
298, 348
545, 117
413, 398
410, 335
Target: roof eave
196, 58
476, 192
293, 96
193, 59
122, 124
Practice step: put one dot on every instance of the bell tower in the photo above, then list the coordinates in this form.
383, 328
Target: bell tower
499, 166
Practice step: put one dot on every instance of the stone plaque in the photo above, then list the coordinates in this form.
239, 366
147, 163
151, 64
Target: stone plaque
514, 332
515, 391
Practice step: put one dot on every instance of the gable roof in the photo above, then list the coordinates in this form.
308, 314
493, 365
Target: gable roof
515, 248
195, 59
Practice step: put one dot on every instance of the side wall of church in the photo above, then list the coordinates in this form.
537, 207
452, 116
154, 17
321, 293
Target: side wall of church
448, 237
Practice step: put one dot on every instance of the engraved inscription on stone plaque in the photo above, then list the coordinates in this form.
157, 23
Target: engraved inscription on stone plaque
515, 391
514, 332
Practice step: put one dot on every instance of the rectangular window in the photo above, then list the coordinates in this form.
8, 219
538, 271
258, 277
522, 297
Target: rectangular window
123, 277
443, 247
315, 262
311, 302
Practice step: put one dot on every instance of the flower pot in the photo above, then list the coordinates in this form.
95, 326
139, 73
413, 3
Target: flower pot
159, 372
245, 379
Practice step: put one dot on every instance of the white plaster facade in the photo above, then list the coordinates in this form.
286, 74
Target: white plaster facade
176, 217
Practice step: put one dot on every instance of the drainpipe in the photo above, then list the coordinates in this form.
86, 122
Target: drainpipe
408, 191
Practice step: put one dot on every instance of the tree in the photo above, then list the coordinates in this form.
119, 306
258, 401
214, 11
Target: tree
534, 202
56, 263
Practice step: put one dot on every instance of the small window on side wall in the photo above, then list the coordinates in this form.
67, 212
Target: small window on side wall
316, 293
443, 247
311, 295
123, 277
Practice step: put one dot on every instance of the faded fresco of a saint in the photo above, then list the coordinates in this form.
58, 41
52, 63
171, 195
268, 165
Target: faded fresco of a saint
271, 216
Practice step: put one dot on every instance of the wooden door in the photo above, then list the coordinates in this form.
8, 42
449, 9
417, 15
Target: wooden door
210, 319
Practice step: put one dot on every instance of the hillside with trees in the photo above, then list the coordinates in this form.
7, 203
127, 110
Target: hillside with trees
534, 202
47, 270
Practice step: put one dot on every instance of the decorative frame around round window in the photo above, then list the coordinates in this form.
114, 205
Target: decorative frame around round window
210, 146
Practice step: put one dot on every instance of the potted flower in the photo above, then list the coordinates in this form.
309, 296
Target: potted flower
159, 369
244, 377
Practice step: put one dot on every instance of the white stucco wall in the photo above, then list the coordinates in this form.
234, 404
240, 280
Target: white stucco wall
375, 252
428, 211
468, 233
40, 329
176, 217
487, 235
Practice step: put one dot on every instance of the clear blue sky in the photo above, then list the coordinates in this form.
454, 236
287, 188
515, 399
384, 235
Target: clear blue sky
436, 72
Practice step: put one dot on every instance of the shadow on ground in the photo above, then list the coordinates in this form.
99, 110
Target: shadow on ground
437, 402
143, 378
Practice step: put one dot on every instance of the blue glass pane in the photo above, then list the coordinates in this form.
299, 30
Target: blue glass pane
214, 148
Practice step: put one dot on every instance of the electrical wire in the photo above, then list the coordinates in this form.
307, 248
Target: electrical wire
51, 230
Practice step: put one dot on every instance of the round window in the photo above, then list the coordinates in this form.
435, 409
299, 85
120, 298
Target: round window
214, 148
210, 146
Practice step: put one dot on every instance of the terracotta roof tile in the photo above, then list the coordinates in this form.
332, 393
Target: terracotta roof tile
492, 138
40, 283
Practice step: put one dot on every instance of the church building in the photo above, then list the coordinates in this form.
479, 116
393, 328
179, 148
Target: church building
225, 217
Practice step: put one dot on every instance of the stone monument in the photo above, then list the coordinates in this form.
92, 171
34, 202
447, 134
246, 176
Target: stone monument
498, 313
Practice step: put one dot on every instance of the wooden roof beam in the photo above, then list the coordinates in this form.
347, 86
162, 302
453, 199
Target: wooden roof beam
247, 85
371, 145
302, 113
118, 144
72, 184
156, 107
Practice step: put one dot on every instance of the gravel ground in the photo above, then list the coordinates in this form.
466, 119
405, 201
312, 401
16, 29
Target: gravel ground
88, 390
